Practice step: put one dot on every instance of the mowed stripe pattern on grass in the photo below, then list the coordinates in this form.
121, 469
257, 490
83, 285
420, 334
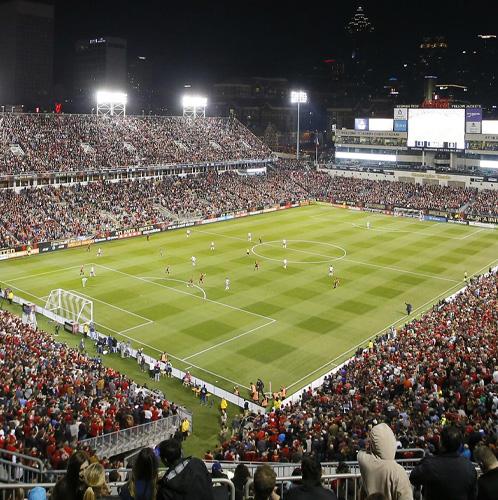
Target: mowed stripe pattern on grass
302, 321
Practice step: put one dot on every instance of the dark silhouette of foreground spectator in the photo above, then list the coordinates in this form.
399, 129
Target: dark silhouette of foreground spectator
311, 487
447, 475
240, 477
379, 471
184, 477
143, 482
487, 485
70, 487
265, 480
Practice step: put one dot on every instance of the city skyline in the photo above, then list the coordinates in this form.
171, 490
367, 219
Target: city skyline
208, 42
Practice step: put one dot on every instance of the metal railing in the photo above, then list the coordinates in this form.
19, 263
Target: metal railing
5, 488
14, 467
283, 469
346, 486
115, 443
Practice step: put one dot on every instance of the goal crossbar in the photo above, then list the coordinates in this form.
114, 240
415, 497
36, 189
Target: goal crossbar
70, 306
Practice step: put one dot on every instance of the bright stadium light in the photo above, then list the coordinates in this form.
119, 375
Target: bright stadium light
298, 97
111, 103
194, 106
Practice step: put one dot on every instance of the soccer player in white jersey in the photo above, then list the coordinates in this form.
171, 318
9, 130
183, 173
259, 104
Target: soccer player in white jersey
99, 252
92, 272
188, 233
84, 279
284, 243
331, 271
212, 246
285, 263
194, 260
249, 236
368, 224
227, 284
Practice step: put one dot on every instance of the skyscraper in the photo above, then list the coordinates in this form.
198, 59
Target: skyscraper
26, 52
361, 31
100, 63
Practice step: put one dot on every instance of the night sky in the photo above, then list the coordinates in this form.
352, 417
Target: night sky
212, 41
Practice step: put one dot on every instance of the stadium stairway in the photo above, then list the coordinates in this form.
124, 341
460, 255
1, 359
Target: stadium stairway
127, 440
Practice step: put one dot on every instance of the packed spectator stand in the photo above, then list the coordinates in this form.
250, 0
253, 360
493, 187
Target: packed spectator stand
42, 143
53, 396
52, 213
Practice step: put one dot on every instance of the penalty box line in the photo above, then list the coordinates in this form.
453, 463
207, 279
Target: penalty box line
186, 293
403, 318
122, 334
268, 321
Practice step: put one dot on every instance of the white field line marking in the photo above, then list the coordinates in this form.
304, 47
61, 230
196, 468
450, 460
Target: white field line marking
21, 290
111, 305
423, 233
182, 360
472, 234
178, 281
289, 247
135, 327
349, 260
222, 235
42, 274
403, 318
229, 340
143, 343
397, 269
187, 293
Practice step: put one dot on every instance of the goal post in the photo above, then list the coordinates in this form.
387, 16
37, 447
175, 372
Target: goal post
70, 306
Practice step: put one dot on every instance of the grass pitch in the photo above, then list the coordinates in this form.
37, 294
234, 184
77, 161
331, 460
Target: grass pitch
285, 326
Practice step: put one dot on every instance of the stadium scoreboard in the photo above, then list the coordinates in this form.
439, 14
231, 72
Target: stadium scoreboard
438, 128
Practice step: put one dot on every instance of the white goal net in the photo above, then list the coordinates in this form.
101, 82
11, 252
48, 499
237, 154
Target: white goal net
70, 306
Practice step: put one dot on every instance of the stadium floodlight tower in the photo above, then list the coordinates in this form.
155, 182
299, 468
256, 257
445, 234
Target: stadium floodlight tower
111, 103
298, 97
194, 106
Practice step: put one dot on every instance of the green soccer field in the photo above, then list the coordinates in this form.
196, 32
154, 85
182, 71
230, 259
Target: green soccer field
285, 326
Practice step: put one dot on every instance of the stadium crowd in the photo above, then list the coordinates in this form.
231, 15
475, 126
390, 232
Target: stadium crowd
40, 143
417, 391
49, 213
52, 396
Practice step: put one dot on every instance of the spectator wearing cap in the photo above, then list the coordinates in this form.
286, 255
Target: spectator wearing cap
221, 491
37, 493
487, 485
447, 475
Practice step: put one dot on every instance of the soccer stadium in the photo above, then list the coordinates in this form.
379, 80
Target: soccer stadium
189, 313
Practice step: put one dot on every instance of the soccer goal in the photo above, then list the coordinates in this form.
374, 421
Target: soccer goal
70, 306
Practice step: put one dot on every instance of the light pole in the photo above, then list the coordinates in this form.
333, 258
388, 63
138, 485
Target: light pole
194, 106
298, 97
111, 103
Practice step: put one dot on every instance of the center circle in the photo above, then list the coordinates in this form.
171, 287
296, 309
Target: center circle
289, 242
